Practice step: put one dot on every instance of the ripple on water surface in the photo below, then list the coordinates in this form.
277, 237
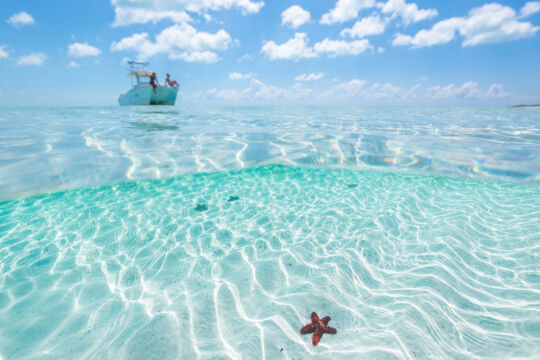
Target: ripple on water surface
407, 267
53, 149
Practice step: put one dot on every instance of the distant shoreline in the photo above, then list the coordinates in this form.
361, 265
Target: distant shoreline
527, 106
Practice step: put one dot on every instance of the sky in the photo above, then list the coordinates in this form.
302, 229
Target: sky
301, 52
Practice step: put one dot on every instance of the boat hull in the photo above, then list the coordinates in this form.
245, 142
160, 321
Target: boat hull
145, 95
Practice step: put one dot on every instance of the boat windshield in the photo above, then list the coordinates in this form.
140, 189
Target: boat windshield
138, 72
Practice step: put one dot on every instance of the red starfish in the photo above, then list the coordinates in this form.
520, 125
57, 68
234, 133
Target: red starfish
318, 327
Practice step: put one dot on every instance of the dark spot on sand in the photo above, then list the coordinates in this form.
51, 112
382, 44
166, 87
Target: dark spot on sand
233, 198
201, 207
352, 185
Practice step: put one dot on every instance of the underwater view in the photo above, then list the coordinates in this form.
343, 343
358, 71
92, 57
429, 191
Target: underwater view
215, 233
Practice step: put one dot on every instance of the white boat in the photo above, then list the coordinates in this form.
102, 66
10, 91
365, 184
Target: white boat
143, 92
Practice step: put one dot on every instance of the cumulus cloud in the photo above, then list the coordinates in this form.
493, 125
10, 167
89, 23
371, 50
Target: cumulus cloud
181, 42
239, 76
408, 12
142, 11
412, 92
344, 90
82, 50
259, 91
73, 64
336, 48
355, 90
34, 59
383, 91
309, 77
245, 57
293, 49
298, 48
496, 91
371, 25
530, 8
3, 52
361, 89
491, 23
21, 19
295, 16
128, 16
346, 10
468, 90
195, 56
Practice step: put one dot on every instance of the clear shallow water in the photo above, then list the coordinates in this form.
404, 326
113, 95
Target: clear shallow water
382, 219
407, 266
45, 149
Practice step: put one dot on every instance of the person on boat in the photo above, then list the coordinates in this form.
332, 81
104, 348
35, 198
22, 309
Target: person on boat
153, 81
171, 83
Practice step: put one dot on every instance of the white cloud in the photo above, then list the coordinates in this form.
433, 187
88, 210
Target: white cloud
3, 52
259, 91
82, 50
355, 90
380, 50
490, 23
142, 11
413, 92
238, 76
128, 16
409, 13
347, 89
73, 64
297, 48
137, 42
530, 8
245, 57
341, 47
468, 90
309, 77
294, 49
346, 10
34, 59
496, 91
178, 41
295, 16
195, 56
21, 19
371, 25
358, 89
383, 91
441, 33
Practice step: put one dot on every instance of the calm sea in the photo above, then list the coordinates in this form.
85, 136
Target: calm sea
214, 233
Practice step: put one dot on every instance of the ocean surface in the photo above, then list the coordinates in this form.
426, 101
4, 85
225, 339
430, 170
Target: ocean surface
214, 233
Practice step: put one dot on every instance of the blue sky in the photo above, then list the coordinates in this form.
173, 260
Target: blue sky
460, 52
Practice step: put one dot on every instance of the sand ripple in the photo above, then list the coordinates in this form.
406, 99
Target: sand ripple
408, 267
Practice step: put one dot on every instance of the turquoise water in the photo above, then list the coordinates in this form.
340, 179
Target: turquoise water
106, 262
49, 149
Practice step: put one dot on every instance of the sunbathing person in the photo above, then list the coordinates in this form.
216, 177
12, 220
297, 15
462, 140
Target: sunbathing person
171, 83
